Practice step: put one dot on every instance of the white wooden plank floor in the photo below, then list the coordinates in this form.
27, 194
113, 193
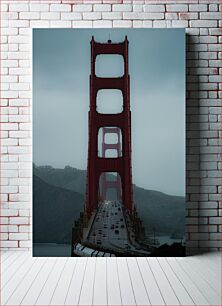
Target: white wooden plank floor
110, 281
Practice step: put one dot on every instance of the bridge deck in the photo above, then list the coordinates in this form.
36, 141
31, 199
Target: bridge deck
112, 230
109, 227
109, 281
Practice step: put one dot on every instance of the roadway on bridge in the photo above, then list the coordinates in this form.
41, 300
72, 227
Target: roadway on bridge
109, 228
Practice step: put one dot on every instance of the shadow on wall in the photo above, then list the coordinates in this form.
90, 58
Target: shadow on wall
193, 142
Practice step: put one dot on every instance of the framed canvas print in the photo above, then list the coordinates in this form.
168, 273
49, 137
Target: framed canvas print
109, 142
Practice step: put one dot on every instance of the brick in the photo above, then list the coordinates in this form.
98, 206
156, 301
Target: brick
9, 166
208, 212
9, 63
25, 244
199, 236
9, 94
9, 212
215, 63
29, 15
154, 8
13, 47
19, 102
112, 15
208, 40
215, 236
82, 24
19, 71
9, 126
39, 24
71, 16
177, 8
92, 16
197, 7
216, 31
3, 197
4, 71
37, 7
171, 16
24, 212
18, 236
19, 220
102, 7
215, 78
180, 23
161, 23
12, 158
18, 23
4, 181
19, 118
8, 228
215, 220
208, 205
122, 7
82, 8
20, 182
208, 165
3, 102
9, 31
60, 24
52, 15
4, 220
4, 7
18, 55
102, 23
60, 7
18, 150
187, 16
18, 7
8, 244
138, 23
9, 142
25, 126
9, 173
203, 23
137, 7
135, 15
147, 24
213, 7
208, 229
25, 31
4, 236
19, 86
26, 47
24, 229
207, 15
122, 23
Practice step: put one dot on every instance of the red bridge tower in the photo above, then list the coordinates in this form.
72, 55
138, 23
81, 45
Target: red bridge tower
121, 164
114, 184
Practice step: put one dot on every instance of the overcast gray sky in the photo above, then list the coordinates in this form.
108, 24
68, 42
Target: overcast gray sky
61, 69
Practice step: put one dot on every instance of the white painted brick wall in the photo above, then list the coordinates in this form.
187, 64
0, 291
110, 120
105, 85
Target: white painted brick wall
201, 18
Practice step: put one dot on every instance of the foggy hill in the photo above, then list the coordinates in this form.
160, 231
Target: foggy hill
54, 212
68, 178
157, 210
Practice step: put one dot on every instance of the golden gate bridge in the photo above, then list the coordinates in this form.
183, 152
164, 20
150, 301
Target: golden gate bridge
109, 227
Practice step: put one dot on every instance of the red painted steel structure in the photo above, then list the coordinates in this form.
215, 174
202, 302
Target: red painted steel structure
98, 165
106, 184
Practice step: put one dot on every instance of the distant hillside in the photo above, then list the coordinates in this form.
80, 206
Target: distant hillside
68, 178
54, 212
157, 210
